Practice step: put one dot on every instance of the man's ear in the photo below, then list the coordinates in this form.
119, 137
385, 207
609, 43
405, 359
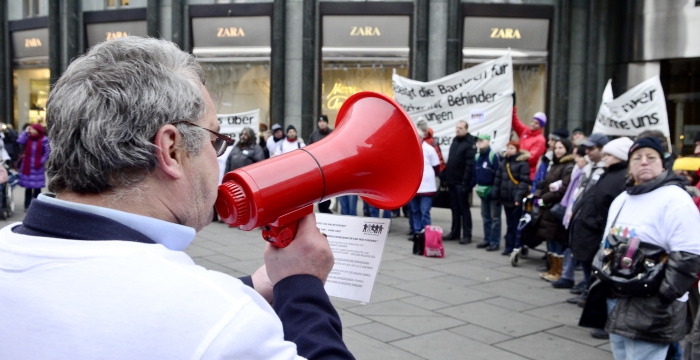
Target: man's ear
169, 154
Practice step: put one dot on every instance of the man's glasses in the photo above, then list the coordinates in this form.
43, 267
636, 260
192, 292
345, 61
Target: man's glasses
220, 143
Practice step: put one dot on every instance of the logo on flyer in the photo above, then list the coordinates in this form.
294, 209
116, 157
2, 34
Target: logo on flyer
373, 228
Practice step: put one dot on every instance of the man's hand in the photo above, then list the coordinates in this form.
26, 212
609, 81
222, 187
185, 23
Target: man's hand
309, 254
262, 283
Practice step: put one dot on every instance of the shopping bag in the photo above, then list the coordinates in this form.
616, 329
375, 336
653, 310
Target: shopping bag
433, 242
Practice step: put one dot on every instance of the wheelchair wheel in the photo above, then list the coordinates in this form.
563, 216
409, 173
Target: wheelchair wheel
523, 251
10, 202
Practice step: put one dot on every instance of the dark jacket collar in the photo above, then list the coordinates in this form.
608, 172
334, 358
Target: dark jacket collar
49, 220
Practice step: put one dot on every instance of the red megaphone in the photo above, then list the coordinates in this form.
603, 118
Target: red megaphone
373, 152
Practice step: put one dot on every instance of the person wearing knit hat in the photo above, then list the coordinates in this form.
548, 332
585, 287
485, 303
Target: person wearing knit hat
290, 144
647, 142
531, 138
618, 149
559, 134
510, 187
274, 140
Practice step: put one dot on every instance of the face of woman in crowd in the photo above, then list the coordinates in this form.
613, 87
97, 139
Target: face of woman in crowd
559, 150
511, 150
610, 160
645, 165
32, 131
580, 161
291, 134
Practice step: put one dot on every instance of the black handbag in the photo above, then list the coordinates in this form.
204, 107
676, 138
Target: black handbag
629, 266
442, 198
558, 211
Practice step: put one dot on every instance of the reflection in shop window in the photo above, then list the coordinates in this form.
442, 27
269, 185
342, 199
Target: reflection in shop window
117, 3
237, 87
342, 79
31, 90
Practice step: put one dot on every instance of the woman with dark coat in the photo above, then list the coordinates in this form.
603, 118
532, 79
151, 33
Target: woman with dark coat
654, 210
31, 169
550, 191
511, 185
245, 152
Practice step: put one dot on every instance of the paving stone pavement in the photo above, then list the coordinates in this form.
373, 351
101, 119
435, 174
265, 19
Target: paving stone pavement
472, 304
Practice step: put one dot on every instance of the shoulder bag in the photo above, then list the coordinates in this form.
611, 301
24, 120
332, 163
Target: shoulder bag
630, 267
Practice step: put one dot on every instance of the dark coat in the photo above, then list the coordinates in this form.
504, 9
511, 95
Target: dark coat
484, 170
317, 135
590, 212
549, 227
36, 178
241, 156
505, 190
460, 163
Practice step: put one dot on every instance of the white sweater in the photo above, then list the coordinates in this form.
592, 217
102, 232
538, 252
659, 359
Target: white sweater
69, 299
666, 217
285, 146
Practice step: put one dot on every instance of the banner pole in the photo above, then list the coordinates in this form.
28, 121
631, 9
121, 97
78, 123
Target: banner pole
668, 142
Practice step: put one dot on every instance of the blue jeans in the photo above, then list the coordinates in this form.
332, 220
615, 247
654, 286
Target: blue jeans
568, 266
624, 348
491, 213
348, 204
555, 247
420, 212
374, 212
513, 215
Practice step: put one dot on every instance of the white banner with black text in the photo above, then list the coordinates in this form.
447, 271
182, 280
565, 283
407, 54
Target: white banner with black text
480, 95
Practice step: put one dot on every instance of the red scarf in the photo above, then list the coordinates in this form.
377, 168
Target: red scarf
38, 154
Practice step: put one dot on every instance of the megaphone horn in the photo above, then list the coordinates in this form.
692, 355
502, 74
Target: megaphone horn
373, 152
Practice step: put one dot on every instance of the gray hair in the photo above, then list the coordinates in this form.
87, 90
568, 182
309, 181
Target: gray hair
104, 111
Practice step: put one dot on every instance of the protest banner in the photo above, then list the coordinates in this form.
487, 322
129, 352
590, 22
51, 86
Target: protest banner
641, 108
233, 124
480, 95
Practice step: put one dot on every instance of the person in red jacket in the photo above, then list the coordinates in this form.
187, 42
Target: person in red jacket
531, 138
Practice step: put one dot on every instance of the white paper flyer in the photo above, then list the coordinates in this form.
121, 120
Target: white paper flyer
357, 244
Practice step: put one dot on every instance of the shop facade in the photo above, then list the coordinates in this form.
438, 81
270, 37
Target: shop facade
30, 71
362, 46
524, 31
233, 44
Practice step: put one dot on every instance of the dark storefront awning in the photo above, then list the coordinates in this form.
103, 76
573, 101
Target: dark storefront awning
31, 48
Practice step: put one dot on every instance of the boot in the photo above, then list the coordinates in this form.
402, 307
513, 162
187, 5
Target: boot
555, 274
547, 263
551, 266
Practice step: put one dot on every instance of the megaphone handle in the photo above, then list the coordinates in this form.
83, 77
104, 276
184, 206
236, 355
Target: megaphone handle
281, 232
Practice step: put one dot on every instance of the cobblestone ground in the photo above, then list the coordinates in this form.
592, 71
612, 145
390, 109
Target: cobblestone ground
471, 304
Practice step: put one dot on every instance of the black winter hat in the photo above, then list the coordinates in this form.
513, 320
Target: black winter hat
290, 127
650, 142
578, 130
559, 134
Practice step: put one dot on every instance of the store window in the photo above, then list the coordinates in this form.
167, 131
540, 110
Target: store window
117, 3
487, 38
237, 87
680, 79
235, 54
360, 53
344, 78
30, 75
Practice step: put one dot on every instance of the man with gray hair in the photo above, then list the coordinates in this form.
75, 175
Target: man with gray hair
98, 270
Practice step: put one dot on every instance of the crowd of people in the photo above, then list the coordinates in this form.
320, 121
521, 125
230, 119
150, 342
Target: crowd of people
583, 190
